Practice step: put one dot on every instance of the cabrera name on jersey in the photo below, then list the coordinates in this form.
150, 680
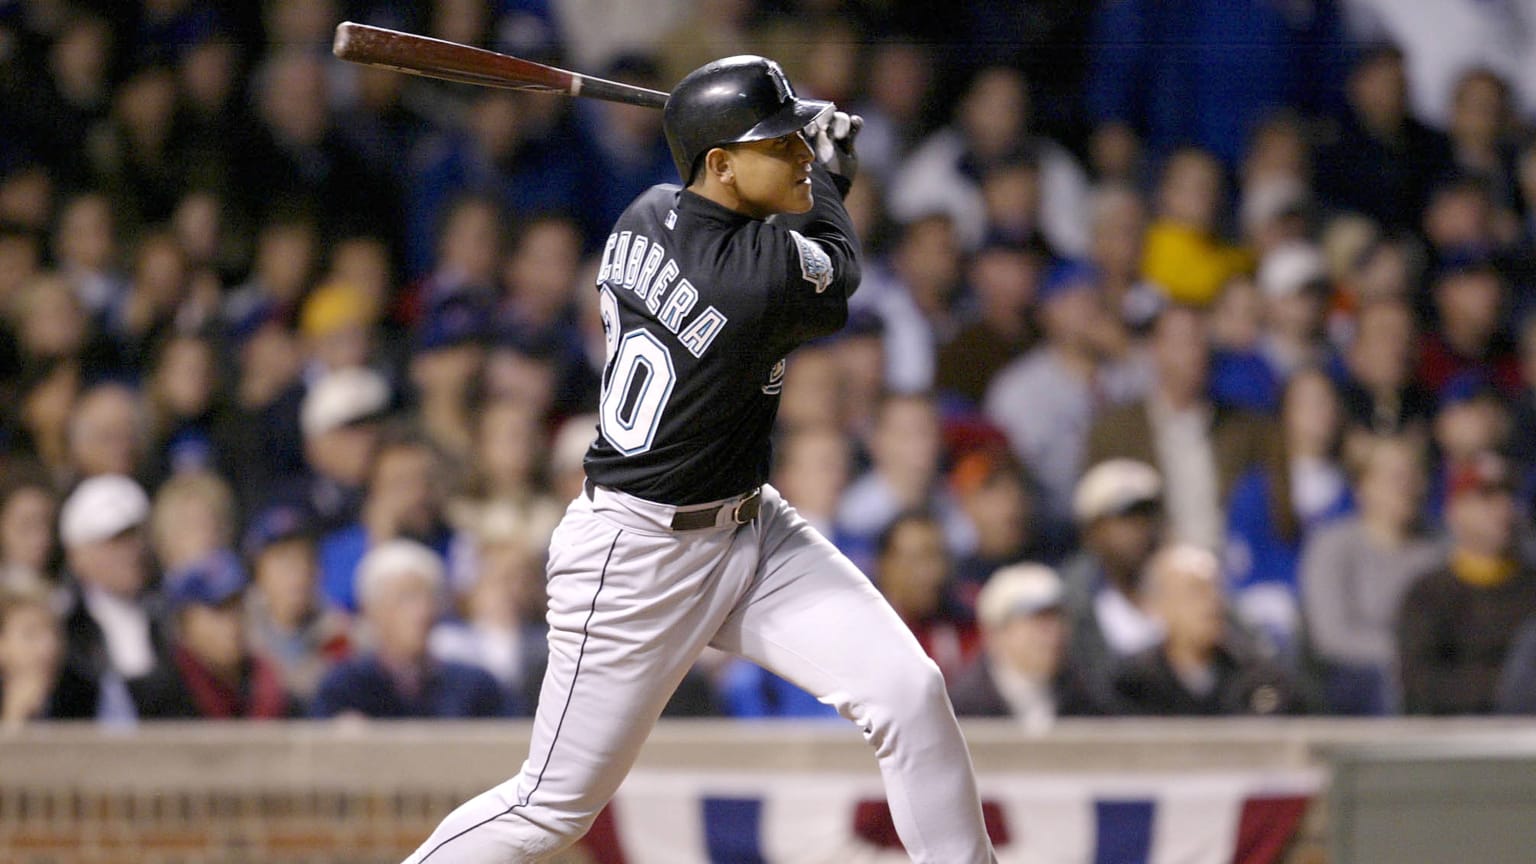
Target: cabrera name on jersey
700, 305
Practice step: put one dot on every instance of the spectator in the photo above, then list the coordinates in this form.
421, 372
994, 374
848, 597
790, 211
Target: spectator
1183, 255
1003, 280
28, 546
1298, 486
630, 152
287, 249
1481, 132
1117, 227
507, 475
1047, 400
1241, 375
1472, 418
113, 633
811, 472
404, 498
992, 490
193, 517
468, 252
213, 675
1456, 624
502, 630
1119, 510
1023, 671
991, 124
1355, 571
1201, 666
131, 155
297, 156
184, 407
86, 243
1469, 297
444, 367
1379, 394
284, 614
106, 431
900, 75
340, 421
1296, 294
337, 323
1275, 189
538, 277
916, 303
46, 396
912, 570
399, 584
905, 450
1200, 449
1382, 161
515, 148
34, 682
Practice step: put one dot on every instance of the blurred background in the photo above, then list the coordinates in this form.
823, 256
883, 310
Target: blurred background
1193, 372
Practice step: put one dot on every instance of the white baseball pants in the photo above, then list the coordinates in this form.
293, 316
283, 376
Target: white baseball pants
631, 606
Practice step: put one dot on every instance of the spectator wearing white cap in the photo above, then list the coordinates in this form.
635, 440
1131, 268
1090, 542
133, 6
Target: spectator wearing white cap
1294, 282
1023, 671
1118, 506
399, 586
112, 635
339, 418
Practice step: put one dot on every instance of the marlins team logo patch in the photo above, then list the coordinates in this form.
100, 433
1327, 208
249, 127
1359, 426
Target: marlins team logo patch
815, 264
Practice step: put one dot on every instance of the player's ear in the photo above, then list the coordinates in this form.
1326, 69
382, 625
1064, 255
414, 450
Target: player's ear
718, 164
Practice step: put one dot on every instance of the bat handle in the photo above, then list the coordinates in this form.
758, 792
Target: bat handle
610, 91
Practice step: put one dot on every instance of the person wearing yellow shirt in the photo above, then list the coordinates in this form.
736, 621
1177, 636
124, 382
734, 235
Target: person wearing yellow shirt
1182, 254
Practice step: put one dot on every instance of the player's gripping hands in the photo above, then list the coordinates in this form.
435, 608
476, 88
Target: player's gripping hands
834, 132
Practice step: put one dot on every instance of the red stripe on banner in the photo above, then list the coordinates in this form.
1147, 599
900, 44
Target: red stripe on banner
602, 842
872, 823
1266, 827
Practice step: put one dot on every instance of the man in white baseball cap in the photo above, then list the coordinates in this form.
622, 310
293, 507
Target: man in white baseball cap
1294, 280
1118, 506
1023, 672
113, 637
340, 420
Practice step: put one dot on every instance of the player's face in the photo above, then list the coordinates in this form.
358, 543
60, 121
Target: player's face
773, 176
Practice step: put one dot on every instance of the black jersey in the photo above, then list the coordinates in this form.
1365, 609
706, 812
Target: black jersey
700, 307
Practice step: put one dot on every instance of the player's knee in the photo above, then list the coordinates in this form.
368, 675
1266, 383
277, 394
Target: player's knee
915, 686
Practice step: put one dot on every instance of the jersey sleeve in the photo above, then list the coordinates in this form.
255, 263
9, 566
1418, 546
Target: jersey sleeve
819, 257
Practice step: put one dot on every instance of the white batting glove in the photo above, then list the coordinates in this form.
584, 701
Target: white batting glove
833, 142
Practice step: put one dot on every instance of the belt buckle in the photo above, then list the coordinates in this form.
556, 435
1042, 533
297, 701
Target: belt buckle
746, 509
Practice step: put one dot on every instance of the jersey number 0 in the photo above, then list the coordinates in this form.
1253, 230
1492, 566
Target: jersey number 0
637, 381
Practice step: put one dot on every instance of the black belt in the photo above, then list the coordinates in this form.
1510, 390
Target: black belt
742, 511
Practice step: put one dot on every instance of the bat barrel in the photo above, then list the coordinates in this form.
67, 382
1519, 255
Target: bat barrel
465, 64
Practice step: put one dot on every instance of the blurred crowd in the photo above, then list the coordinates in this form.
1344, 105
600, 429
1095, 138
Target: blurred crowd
1193, 371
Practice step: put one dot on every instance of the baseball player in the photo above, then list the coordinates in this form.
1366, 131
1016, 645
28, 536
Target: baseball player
678, 542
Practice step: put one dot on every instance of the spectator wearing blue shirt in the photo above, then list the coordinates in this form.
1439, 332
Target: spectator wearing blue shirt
404, 498
1297, 486
399, 584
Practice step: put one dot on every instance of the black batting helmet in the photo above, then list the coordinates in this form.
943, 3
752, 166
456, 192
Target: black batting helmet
743, 98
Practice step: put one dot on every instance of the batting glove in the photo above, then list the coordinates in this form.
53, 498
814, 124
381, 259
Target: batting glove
834, 142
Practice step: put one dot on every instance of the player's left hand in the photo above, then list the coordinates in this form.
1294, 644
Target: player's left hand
835, 133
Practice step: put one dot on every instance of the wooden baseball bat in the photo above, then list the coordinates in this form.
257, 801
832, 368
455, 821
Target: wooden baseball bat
450, 61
